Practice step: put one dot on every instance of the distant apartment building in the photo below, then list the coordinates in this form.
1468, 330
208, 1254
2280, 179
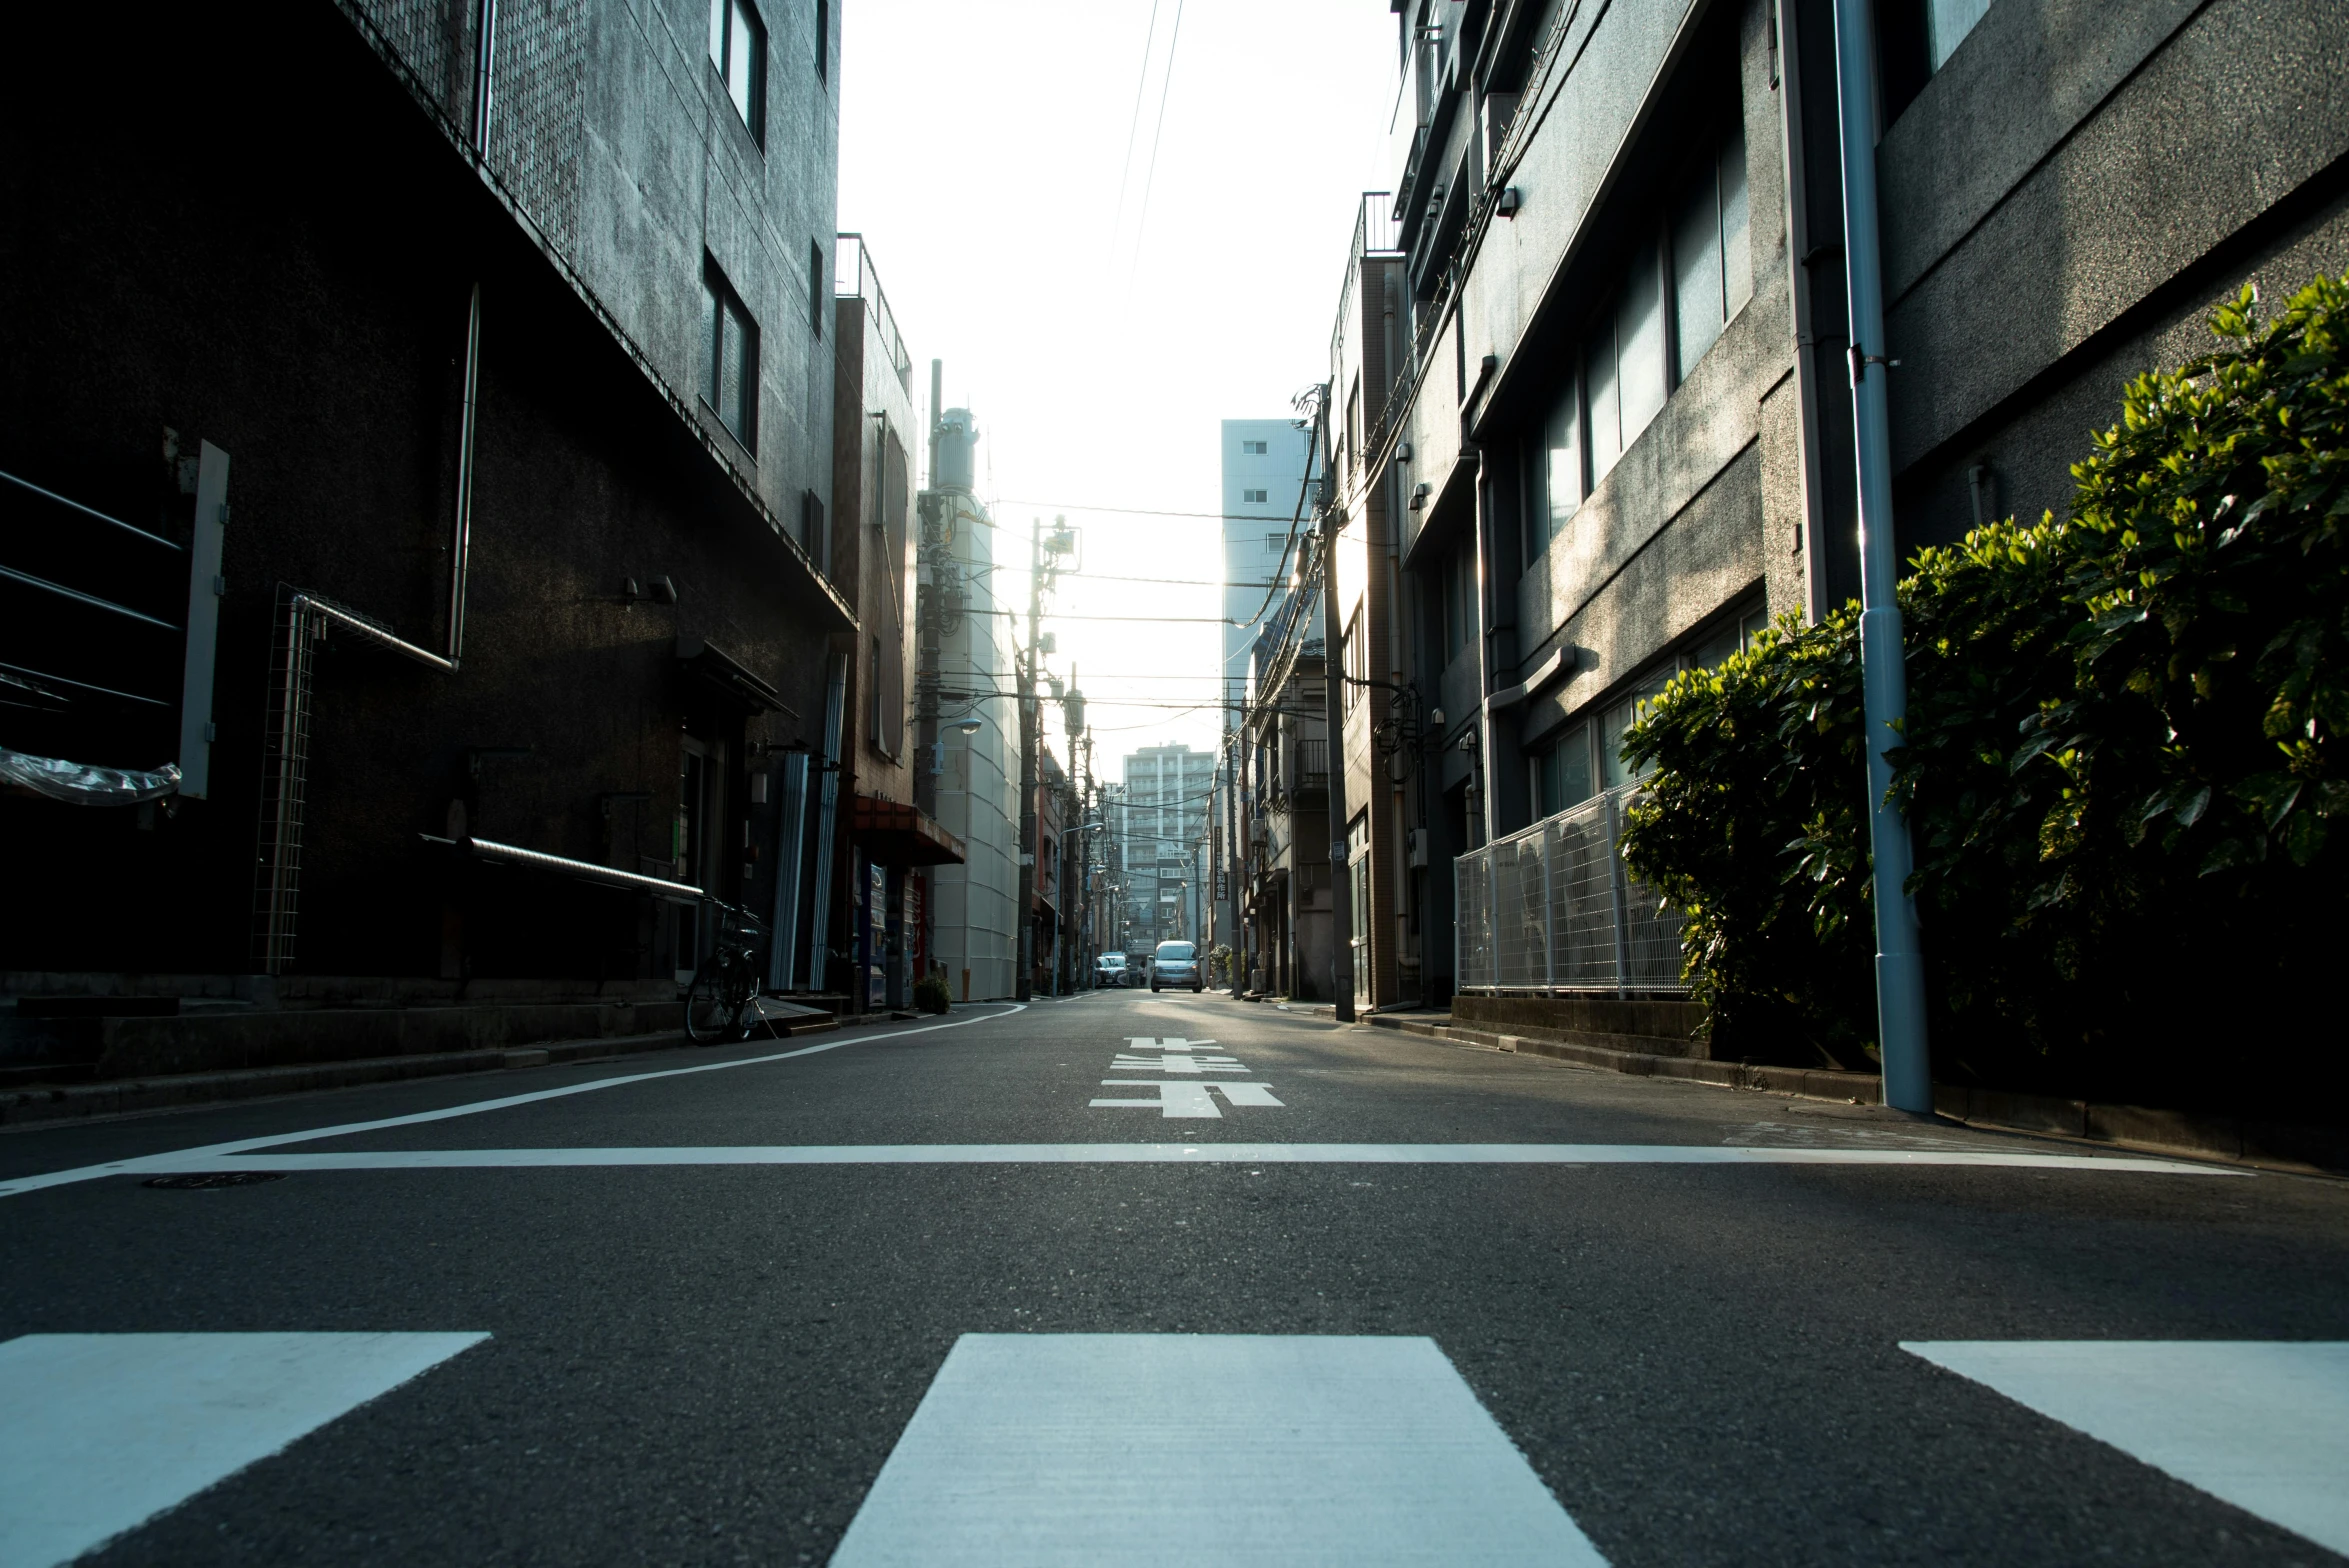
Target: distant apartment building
1160, 822
488, 656
1265, 464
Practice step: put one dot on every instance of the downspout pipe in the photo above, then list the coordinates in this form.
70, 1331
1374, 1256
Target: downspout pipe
461, 533
1900, 966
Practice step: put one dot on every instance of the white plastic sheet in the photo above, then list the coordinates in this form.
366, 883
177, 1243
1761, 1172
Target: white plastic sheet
80, 784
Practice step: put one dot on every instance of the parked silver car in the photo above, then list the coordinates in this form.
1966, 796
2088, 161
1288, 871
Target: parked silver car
1110, 972
1177, 963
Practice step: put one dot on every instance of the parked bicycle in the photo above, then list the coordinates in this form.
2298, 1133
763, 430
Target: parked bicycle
722, 1002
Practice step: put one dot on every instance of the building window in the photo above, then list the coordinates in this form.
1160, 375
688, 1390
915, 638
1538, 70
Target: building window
1946, 24
1459, 600
1712, 261
1276, 544
1619, 715
816, 297
1678, 294
811, 530
823, 40
730, 341
1562, 773
1252, 449
1562, 476
738, 48
1356, 664
1252, 497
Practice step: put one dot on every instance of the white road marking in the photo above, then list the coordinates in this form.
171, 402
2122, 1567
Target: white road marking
101, 1432
2262, 1425
1142, 1042
1190, 1099
1088, 1450
145, 1165
1157, 1154
1186, 1063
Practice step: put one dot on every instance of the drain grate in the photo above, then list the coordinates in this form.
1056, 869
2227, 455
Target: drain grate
201, 1181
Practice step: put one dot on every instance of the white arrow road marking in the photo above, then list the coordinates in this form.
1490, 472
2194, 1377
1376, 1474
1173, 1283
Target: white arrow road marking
101, 1432
2262, 1425
1074, 1450
1176, 1064
1190, 1099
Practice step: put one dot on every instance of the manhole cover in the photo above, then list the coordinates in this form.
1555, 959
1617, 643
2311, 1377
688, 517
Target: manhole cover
200, 1180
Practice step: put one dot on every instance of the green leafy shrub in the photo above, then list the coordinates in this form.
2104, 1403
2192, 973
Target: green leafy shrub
931, 995
2118, 777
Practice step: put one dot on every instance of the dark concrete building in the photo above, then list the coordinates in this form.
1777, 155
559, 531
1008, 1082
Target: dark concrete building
1619, 436
520, 345
886, 844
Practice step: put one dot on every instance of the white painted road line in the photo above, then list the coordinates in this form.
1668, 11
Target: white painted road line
1185, 1063
16, 1186
2262, 1425
1154, 1154
1190, 1099
100, 1432
1121, 1450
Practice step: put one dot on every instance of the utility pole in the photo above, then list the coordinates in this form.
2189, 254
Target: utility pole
1030, 719
1235, 855
929, 617
1333, 710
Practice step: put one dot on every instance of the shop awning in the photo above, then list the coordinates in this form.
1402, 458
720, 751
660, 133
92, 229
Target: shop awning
895, 834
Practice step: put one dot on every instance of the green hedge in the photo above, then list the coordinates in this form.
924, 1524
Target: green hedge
2119, 774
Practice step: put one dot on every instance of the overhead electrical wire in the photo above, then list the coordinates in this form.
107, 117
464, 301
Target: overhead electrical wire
1125, 169
1174, 39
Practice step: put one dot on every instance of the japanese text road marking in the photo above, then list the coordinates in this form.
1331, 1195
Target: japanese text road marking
1187, 1063
1191, 1099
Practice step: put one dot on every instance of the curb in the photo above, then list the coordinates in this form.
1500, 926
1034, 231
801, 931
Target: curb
181, 1091
2226, 1140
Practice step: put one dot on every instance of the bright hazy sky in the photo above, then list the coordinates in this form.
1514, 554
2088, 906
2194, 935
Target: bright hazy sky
1097, 345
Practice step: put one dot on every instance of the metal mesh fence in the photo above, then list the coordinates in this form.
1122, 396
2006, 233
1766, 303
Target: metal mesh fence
1551, 909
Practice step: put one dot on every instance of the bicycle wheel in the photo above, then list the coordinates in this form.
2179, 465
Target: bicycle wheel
710, 1005
747, 1016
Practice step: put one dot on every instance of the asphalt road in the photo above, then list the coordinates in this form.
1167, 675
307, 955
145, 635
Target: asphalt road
704, 1340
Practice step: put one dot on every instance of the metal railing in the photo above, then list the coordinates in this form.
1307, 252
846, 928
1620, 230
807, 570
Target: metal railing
1551, 910
853, 276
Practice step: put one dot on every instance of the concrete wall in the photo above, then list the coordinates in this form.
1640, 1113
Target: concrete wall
2146, 160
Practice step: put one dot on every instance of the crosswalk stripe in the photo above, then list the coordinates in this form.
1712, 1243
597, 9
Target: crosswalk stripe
1088, 1450
100, 1432
2262, 1425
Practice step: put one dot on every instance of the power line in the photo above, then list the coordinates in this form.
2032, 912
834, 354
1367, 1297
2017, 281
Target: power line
1125, 170
1174, 39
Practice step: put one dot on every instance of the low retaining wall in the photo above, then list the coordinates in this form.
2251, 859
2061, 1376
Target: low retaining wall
2236, 1140
1654, 1028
